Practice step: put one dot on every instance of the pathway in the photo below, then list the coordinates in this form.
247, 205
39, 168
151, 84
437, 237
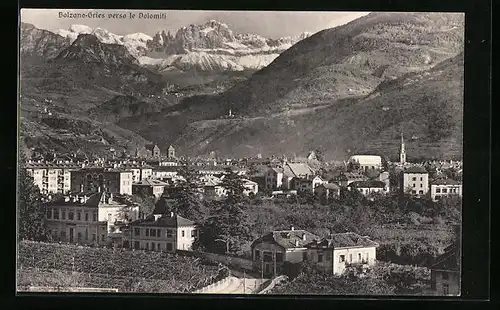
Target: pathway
237, 286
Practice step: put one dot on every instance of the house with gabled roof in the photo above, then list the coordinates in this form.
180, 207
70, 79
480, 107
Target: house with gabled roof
161, 231
369, 187
273, 249
152, 187
445, 187
282, 176
337, 251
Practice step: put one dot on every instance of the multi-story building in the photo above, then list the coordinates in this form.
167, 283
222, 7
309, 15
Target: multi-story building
110, 180
327, 190
335, 253
271, 251
161, 232
52, 178
151, 187
87, 219
165, 172
444, 188
366, 162
309, 184
415, 181
446, 270
139, 172
346, 178
282, 176
250, 187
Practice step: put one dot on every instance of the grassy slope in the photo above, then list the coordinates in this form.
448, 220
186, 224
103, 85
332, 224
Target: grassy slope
428, 106
318, 72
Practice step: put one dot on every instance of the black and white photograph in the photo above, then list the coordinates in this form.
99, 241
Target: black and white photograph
240, 152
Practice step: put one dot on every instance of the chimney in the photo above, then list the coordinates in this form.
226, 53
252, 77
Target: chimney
292, 228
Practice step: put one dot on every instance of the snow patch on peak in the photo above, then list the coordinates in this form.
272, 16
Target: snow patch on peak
139, 36
77, 28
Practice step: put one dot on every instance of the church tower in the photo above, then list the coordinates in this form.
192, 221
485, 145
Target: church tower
402, 152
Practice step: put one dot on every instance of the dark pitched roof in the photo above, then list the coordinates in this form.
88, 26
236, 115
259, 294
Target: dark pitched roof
165, 220
344, 240
415, 169
449, 260
150, 182
329, 186
287, 238
445, 182
367, 184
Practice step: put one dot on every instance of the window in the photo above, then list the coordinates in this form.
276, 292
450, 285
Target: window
102, 237
169, 233
169, 246
79, 216
359, 257
86, 217
421, 178
147, 232
438, 190
421, 192
147, 245
136, 245
320, 257
350, 258
86, 234
446, 289
445, 276
158, 247
137, 231
193, 233
49, 214
414, 179
153, 232
279, 257
63, 214
413, 184
341, 258
63, 235
421, 185
257, 254
79, 236
445, 190
182, 233
158, 232
56, 214
94, 217
367, 256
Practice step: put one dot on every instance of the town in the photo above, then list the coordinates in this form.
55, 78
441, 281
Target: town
150, 201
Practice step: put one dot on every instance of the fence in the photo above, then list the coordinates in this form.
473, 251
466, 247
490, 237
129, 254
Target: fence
68, 289
213, 286
272, 284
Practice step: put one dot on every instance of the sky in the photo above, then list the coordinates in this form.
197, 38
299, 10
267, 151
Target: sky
265, 23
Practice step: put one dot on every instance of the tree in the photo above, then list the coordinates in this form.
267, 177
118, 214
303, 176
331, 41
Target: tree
234, 186
145, 201
31, 212
187, 200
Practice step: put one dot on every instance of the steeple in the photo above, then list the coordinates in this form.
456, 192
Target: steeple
402, 152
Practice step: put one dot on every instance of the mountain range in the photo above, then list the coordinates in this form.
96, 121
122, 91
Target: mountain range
348, 89
211, 46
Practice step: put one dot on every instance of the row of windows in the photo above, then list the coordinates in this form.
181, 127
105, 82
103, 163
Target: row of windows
149, 246
342, 258
421, 185
415, 178
445, 190
154, 232
79, 236
57, 214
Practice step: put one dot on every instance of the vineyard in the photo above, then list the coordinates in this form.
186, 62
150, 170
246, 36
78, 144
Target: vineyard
46, 264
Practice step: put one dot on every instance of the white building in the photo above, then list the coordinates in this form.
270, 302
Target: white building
335, 253
445, 187
367, 161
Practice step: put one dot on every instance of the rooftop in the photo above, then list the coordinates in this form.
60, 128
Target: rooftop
163, 220
344, 240
150, 182
415, 169
287, 238
445, 182
367, 184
